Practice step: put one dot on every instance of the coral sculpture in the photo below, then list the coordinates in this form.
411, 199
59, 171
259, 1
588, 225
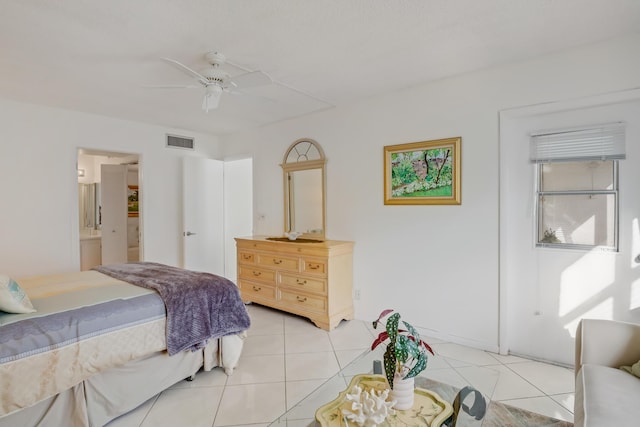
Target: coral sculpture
368, 409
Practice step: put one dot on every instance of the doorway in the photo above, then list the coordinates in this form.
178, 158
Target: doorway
110, 208
545, 291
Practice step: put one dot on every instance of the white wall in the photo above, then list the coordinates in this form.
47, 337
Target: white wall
437, 265
38, 184
238, 209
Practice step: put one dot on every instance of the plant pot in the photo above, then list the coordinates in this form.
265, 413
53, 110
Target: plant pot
402, 392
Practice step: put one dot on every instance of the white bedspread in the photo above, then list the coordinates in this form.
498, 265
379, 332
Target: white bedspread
28, 380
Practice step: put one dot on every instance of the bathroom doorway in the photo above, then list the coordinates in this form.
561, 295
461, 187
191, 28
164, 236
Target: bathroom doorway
110, 208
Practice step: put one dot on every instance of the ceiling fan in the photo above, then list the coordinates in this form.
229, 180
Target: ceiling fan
215, 80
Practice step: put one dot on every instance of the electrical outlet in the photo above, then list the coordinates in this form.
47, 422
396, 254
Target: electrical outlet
357, 294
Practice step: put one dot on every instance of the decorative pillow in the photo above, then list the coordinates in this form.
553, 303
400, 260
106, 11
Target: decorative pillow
633, 369
12, 298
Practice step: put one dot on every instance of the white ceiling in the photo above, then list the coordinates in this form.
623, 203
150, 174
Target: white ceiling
97, 56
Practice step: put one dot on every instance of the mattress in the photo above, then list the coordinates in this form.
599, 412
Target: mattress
85, 323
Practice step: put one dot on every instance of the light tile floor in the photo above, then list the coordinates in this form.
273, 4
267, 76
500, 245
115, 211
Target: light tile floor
286, 357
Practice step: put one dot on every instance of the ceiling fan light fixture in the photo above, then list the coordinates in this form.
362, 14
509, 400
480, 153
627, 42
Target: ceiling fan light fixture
211, 98
216, 80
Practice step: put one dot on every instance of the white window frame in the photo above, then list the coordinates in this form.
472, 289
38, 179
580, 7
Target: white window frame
538, 210
578, 144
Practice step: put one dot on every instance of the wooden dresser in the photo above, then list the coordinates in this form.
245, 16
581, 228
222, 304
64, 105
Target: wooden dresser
309, 279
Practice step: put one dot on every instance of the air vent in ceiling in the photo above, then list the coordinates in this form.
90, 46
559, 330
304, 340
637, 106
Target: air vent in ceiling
179, 142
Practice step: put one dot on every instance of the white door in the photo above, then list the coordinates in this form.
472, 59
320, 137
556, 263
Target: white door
203, 213
114, 213
548, 290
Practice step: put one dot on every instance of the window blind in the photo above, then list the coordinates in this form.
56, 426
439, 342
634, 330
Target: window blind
602, 142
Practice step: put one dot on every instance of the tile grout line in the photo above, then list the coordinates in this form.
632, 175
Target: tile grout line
224, 389
544, 394
155, 400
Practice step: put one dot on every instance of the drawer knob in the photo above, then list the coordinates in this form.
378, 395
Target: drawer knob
246, 256
277, 261
314, 266
301, 299
301, 282
257, 273
257, 289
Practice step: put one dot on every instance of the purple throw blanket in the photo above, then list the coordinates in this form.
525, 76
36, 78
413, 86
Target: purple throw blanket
200, 306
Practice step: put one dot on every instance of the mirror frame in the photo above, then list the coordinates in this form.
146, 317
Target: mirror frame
303, 163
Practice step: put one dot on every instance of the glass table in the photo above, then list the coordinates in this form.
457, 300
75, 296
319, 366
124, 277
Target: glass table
469, 395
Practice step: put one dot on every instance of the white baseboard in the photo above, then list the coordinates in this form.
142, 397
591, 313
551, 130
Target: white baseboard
480, 345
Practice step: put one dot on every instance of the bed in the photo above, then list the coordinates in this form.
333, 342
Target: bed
99, 346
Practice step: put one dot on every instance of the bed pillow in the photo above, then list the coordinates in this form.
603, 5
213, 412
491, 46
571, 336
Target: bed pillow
12, 298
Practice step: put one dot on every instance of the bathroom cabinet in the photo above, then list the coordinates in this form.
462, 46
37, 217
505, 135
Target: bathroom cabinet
90, 252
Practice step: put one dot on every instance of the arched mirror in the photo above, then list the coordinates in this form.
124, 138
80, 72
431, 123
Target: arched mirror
304, 193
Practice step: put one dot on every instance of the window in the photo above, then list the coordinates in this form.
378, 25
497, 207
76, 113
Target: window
577, 187
577, 204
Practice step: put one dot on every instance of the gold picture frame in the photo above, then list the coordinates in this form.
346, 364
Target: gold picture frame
423, 173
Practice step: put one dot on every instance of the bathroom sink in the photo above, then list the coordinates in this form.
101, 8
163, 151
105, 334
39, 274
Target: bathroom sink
298, 240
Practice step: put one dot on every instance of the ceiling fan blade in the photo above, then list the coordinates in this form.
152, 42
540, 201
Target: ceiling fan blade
255, 78
250, 96
186, 69
172, 86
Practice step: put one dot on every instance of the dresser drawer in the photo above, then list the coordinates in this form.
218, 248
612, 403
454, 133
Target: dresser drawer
257, 274
287, 248
300, 300
250, 291
245, 257
314, 266
304, 283
277, 261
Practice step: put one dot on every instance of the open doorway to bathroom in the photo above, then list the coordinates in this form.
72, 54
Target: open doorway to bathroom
109, 208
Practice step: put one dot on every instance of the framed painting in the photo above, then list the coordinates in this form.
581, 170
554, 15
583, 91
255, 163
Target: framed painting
423, 173
132, 200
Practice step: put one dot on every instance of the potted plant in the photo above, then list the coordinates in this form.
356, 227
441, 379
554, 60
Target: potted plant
406, 353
